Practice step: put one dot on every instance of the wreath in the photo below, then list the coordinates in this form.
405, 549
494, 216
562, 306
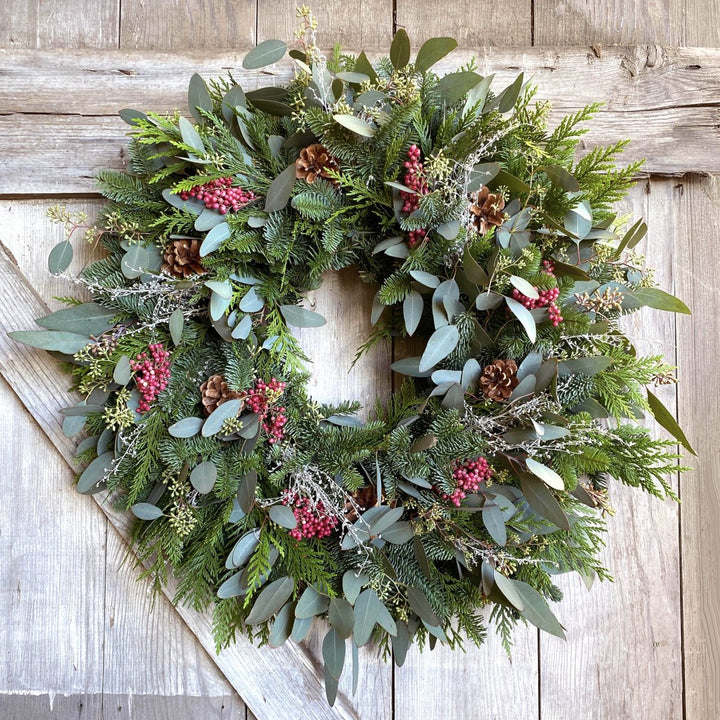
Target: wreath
485, 474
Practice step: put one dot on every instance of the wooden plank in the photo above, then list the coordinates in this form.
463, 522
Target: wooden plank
40, 385
610, 22
667, 100
59, 23
623, 654
52, 577
697, 249
364, 24
481, 683
470, 22
187, 24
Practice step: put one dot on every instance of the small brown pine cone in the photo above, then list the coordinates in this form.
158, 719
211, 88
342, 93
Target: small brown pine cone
182, 258
499, 380
365, 498
215, 391
486, 210
315, 161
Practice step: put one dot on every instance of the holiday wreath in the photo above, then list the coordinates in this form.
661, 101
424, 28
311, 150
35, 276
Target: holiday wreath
485, 474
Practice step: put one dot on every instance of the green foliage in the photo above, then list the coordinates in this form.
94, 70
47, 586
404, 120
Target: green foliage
399, 497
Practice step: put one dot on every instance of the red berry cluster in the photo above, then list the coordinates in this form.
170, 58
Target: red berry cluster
547, 299
312, 520
548, 267
151, 374
468, 475
261, 400
220, 195
415, 180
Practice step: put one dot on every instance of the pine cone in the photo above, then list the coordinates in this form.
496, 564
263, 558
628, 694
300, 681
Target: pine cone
182, 258
365, 497
215, 391
499, 379
315, 161
487, 210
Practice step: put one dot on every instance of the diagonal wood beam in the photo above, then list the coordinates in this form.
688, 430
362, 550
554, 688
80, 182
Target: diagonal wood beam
263, 677
59, 123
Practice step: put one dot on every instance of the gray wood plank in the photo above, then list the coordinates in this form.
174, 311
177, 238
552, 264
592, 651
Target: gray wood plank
59, 23
52, 577
612, 22
480, 683
697, 253
622, 657
54, 142
364, 24
609, 22
470, 22
187, 24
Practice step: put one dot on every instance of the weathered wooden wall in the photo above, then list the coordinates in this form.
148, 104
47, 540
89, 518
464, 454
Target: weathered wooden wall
76, 632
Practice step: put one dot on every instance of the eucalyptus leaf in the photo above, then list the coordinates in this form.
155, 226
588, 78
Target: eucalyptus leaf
425, 278
666, 420
301, 317
542, 501
190, 136
399, 533
283, 516
311, 603
217, 418
352, 583
246, 491
203, 477
252, 301
60, 257
234, 586
400, 50
421, 607
524, 287
412, 311
146, 511
282, 626
333, 652
122, 372
495, 524
355, 124
559, 176
441, 343
94, 473
660, 300
433, 50
86, 318
265, 53
216, 237
187, 427
524, 316
243, 549
546, 474
455, 86
280, 190
400, 643
242, 330
199, 98
55, 340
270, 600
340, 614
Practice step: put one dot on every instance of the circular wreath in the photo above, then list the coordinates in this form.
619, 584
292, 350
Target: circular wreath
485, 475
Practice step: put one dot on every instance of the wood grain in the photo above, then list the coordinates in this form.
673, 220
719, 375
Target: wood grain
626, 635
611, 22
364, 24
471, 23
697, 247
59, 23
187, 24
667, 100
481, 683
40, 385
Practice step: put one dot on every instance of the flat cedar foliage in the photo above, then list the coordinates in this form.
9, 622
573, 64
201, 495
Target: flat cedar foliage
485, 475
